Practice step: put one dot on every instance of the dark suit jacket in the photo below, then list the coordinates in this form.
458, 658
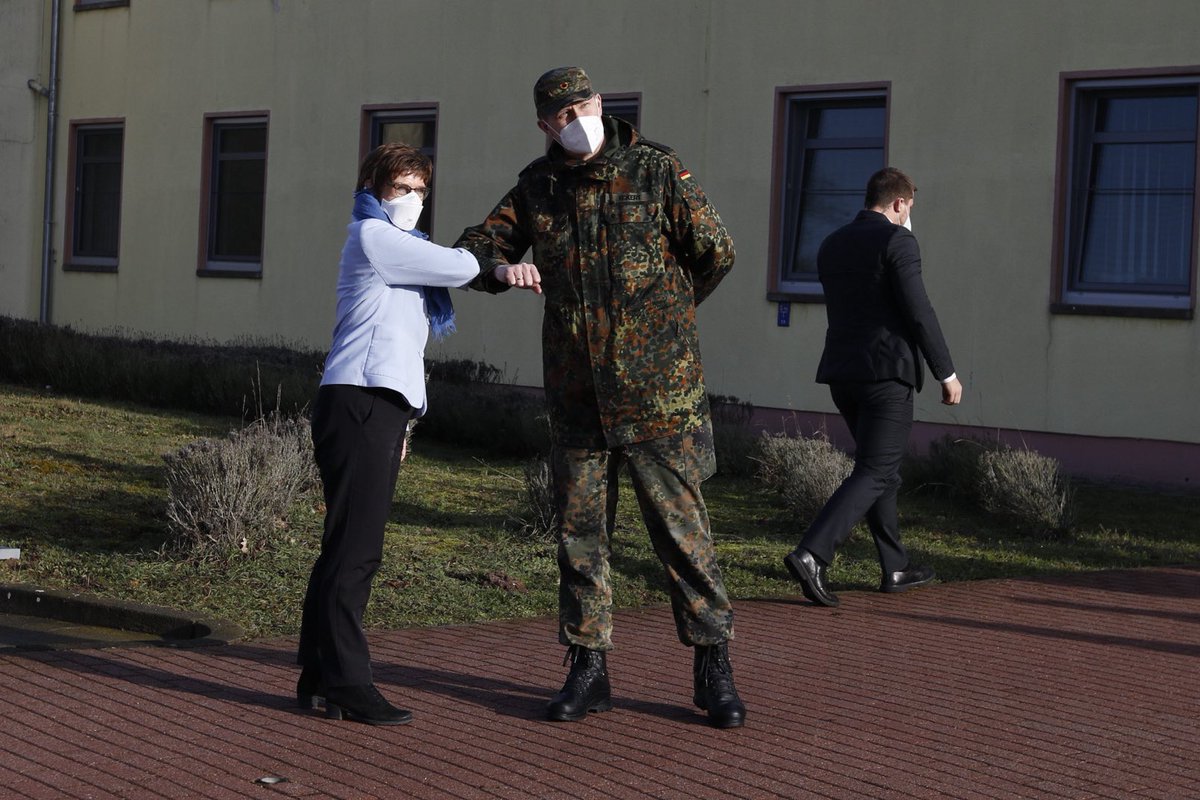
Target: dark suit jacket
880, 319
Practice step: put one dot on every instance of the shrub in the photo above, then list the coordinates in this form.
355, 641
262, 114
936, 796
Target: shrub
804, 471
733, 438
1027, 488
951, 467
233, 495
196, 376
471, 406
539, 517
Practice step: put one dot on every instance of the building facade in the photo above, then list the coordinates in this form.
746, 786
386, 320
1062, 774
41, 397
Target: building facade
205, 153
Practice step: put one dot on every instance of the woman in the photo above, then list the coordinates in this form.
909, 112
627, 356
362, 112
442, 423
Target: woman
391, 289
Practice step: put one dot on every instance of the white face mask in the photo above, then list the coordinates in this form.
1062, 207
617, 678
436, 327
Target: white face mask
908, 222
582, 136
403, 211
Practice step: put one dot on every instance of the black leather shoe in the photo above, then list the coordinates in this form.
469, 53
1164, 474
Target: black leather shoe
587, 688
714, 692
811, 575
363, 704
906, 579
310, 690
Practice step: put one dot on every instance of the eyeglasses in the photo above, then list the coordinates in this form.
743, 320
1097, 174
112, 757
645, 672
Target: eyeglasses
403, 189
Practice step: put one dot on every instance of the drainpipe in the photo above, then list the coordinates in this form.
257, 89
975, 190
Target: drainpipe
51, 94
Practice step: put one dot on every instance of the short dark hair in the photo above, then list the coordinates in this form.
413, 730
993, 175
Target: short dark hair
888, 184
389, 160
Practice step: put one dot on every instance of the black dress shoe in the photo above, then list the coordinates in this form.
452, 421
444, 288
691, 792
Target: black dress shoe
587, 687
363, 704
811, 575
713, 689
310, 690
906, 579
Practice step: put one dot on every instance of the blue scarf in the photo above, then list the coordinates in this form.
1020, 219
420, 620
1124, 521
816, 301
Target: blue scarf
437, 298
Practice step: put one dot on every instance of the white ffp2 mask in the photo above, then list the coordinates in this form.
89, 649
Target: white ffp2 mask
404, 211
582, 136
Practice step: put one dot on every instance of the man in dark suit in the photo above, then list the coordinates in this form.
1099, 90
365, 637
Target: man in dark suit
881, 323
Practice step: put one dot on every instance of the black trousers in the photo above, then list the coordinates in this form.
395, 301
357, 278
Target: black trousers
357, 437
879, 415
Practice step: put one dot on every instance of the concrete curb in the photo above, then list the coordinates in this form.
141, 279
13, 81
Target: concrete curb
172, 627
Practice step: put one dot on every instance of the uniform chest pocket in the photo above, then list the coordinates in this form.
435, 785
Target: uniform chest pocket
634, 232
632, 213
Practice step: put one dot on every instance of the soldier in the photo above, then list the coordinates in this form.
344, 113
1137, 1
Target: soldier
626, 245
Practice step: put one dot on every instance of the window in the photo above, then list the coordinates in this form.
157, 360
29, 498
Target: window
235, 181
412, 125
828, 142
93, 228
624, 106
1127, 196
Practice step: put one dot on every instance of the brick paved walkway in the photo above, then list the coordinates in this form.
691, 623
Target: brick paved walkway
1079, 687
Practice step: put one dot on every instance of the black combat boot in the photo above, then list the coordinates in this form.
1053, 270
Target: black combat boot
586, 689
714, 689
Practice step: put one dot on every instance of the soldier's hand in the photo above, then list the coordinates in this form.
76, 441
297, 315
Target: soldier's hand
523, 276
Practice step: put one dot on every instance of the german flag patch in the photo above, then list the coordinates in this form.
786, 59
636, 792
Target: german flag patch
684, 174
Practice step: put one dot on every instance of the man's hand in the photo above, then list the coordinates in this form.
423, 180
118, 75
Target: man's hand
952, 392
523, 276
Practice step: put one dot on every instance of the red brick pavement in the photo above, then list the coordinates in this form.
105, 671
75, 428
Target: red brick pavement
1078, 687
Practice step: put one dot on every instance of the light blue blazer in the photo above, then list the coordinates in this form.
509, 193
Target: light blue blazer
381, 331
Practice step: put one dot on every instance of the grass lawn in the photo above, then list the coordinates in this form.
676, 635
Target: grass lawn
84, 495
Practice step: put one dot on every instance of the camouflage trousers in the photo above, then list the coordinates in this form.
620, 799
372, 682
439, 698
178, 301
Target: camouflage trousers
666, 474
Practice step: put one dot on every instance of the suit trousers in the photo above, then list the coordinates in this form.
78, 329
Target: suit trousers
879, 415
357, 437
666, 474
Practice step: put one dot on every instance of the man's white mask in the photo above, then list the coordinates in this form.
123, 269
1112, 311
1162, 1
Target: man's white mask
582, 135
403, 211
908, 221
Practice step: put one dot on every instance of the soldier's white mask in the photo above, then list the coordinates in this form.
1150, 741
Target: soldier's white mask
582, 135
908, 221
403, 211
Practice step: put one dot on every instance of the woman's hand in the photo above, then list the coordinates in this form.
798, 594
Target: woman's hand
523, 276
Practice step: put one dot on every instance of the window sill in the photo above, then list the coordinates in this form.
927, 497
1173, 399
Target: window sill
223, 271
795, 297
83, 267
1146, 312
91, 5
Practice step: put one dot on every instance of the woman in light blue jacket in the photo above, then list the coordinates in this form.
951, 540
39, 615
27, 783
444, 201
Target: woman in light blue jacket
391, 291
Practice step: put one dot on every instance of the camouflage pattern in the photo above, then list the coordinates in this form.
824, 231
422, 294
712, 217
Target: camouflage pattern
627, 245
666, 475
560, 87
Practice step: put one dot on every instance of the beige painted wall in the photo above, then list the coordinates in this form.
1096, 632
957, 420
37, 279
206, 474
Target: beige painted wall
974, 114
24, 55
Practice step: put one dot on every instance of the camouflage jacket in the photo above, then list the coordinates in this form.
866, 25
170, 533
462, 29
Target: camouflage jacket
627, 245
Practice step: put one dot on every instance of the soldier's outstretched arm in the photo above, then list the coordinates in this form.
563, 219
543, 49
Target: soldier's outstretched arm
497, 241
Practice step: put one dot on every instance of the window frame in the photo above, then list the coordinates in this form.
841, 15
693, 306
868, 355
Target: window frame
89, 263
374, 117
1072, 170
806, 291
213, 267
624, 100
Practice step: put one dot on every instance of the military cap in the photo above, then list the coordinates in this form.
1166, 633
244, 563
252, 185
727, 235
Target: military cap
560, 87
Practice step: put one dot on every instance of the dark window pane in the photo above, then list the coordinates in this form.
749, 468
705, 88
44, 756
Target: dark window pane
1133, 200
842, 170
418, 134
235, 139
1143, 114
1134, 241
97, 210
834, 145
829, 123
238, 192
